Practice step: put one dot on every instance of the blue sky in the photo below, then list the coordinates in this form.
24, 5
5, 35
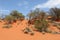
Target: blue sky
24, 6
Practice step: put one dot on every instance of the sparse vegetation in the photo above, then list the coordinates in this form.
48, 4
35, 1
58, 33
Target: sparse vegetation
14, 16
36, 17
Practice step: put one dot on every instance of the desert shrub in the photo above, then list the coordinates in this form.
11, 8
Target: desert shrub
32, 33
41, 25
37, 25
26, 30
9, 19
48, 30
22, 18
14, 16
55, 12
55, 32
58, 27
7, 26
17, 15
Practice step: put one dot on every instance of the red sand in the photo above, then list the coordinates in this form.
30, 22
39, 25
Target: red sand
15, 33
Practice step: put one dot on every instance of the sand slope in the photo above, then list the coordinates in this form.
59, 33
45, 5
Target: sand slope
15, 33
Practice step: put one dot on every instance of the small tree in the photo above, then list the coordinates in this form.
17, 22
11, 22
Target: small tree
55, 12
17, 15
34, 14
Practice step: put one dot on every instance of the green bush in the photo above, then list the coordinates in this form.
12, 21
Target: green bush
14, 16
9, 19
17, 15
41, 25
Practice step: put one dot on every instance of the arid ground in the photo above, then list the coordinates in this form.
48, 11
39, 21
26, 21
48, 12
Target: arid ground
16, 33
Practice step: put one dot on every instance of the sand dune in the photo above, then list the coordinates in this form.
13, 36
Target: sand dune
16, 33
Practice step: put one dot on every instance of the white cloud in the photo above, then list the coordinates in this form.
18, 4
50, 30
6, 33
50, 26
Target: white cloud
48, 4
1, 11
24, 3
4, 12
19, 4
